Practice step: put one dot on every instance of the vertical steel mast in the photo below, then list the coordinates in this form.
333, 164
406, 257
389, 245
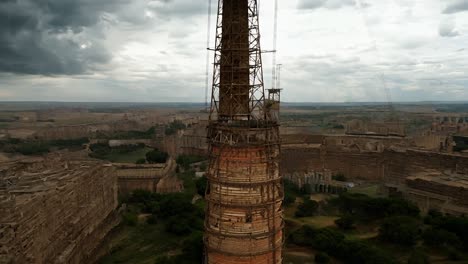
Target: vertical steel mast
243, 222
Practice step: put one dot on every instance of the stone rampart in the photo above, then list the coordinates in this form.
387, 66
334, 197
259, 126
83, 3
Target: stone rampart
146, 177
53, 211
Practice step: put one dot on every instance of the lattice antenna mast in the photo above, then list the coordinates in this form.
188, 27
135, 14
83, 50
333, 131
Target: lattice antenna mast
243, 219
208, 40
278, 76
238, 86
275, 41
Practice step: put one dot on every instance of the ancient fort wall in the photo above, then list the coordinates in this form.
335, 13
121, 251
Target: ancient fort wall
132, 177
55, 213
368, 159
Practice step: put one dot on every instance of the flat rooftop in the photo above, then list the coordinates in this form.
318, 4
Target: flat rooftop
443, 178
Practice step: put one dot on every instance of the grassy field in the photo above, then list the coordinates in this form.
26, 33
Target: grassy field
140, 244
298, 256
130, 157
370, 190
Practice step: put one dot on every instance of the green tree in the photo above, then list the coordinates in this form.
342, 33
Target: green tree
418, 257
402, 230
201, 184
141, 161
339, 177
439, 237
130, 219
346, 222
327, 239
307, 208
322, 258
156, 156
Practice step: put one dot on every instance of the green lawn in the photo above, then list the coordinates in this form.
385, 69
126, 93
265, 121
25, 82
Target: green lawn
295, 257
130, 157
140, 244
370, 190
319, 221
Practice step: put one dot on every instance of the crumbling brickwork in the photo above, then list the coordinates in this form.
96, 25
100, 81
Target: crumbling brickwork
52, 211
147, 177
388, 162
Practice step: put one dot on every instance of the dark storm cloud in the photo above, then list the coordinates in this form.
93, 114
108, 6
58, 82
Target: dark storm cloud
65, 37
456, 6
47, 37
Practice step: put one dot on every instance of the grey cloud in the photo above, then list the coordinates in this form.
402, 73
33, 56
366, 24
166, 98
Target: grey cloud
447, 29
179, 7
45, 37
66, 37
55, 37
329, 4
456, 6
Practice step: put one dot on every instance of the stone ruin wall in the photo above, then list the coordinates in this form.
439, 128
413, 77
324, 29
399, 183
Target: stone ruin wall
361, 158
299, 159
400, 164
354, 165
458, 194
158, 178
55, 211
387, 164
86, 130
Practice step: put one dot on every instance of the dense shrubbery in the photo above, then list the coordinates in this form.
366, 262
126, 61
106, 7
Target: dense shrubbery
130, 218
192, 252
65, 143
346, 222
201, 183
173, 127
339, 177
418, 257
455, 225
368, 208
322, 258
439, 237
157, 156
141, 161
179, 217
103, 150
307, 208
334, 243
402, 230
185, 160
291, 192
38, 147
133, 134
32, 148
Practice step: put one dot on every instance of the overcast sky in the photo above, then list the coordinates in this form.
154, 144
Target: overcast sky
154, 50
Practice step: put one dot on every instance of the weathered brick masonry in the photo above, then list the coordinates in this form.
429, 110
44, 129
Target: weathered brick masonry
52, 211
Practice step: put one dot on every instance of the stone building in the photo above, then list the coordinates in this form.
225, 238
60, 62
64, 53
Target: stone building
55, 211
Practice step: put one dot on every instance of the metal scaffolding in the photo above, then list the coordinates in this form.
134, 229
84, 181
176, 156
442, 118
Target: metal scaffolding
244, 222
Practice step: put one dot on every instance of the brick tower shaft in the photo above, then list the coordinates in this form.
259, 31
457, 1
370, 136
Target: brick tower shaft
243, 222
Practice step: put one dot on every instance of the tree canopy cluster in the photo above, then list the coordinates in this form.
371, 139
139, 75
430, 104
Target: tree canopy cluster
38, 147
335, 244
180, 218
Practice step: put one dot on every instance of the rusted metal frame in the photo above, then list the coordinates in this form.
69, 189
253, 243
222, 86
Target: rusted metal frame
243, 137
244, 255
254, 236
216, 67
243, 145
257, 95
236, 140
256, 101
